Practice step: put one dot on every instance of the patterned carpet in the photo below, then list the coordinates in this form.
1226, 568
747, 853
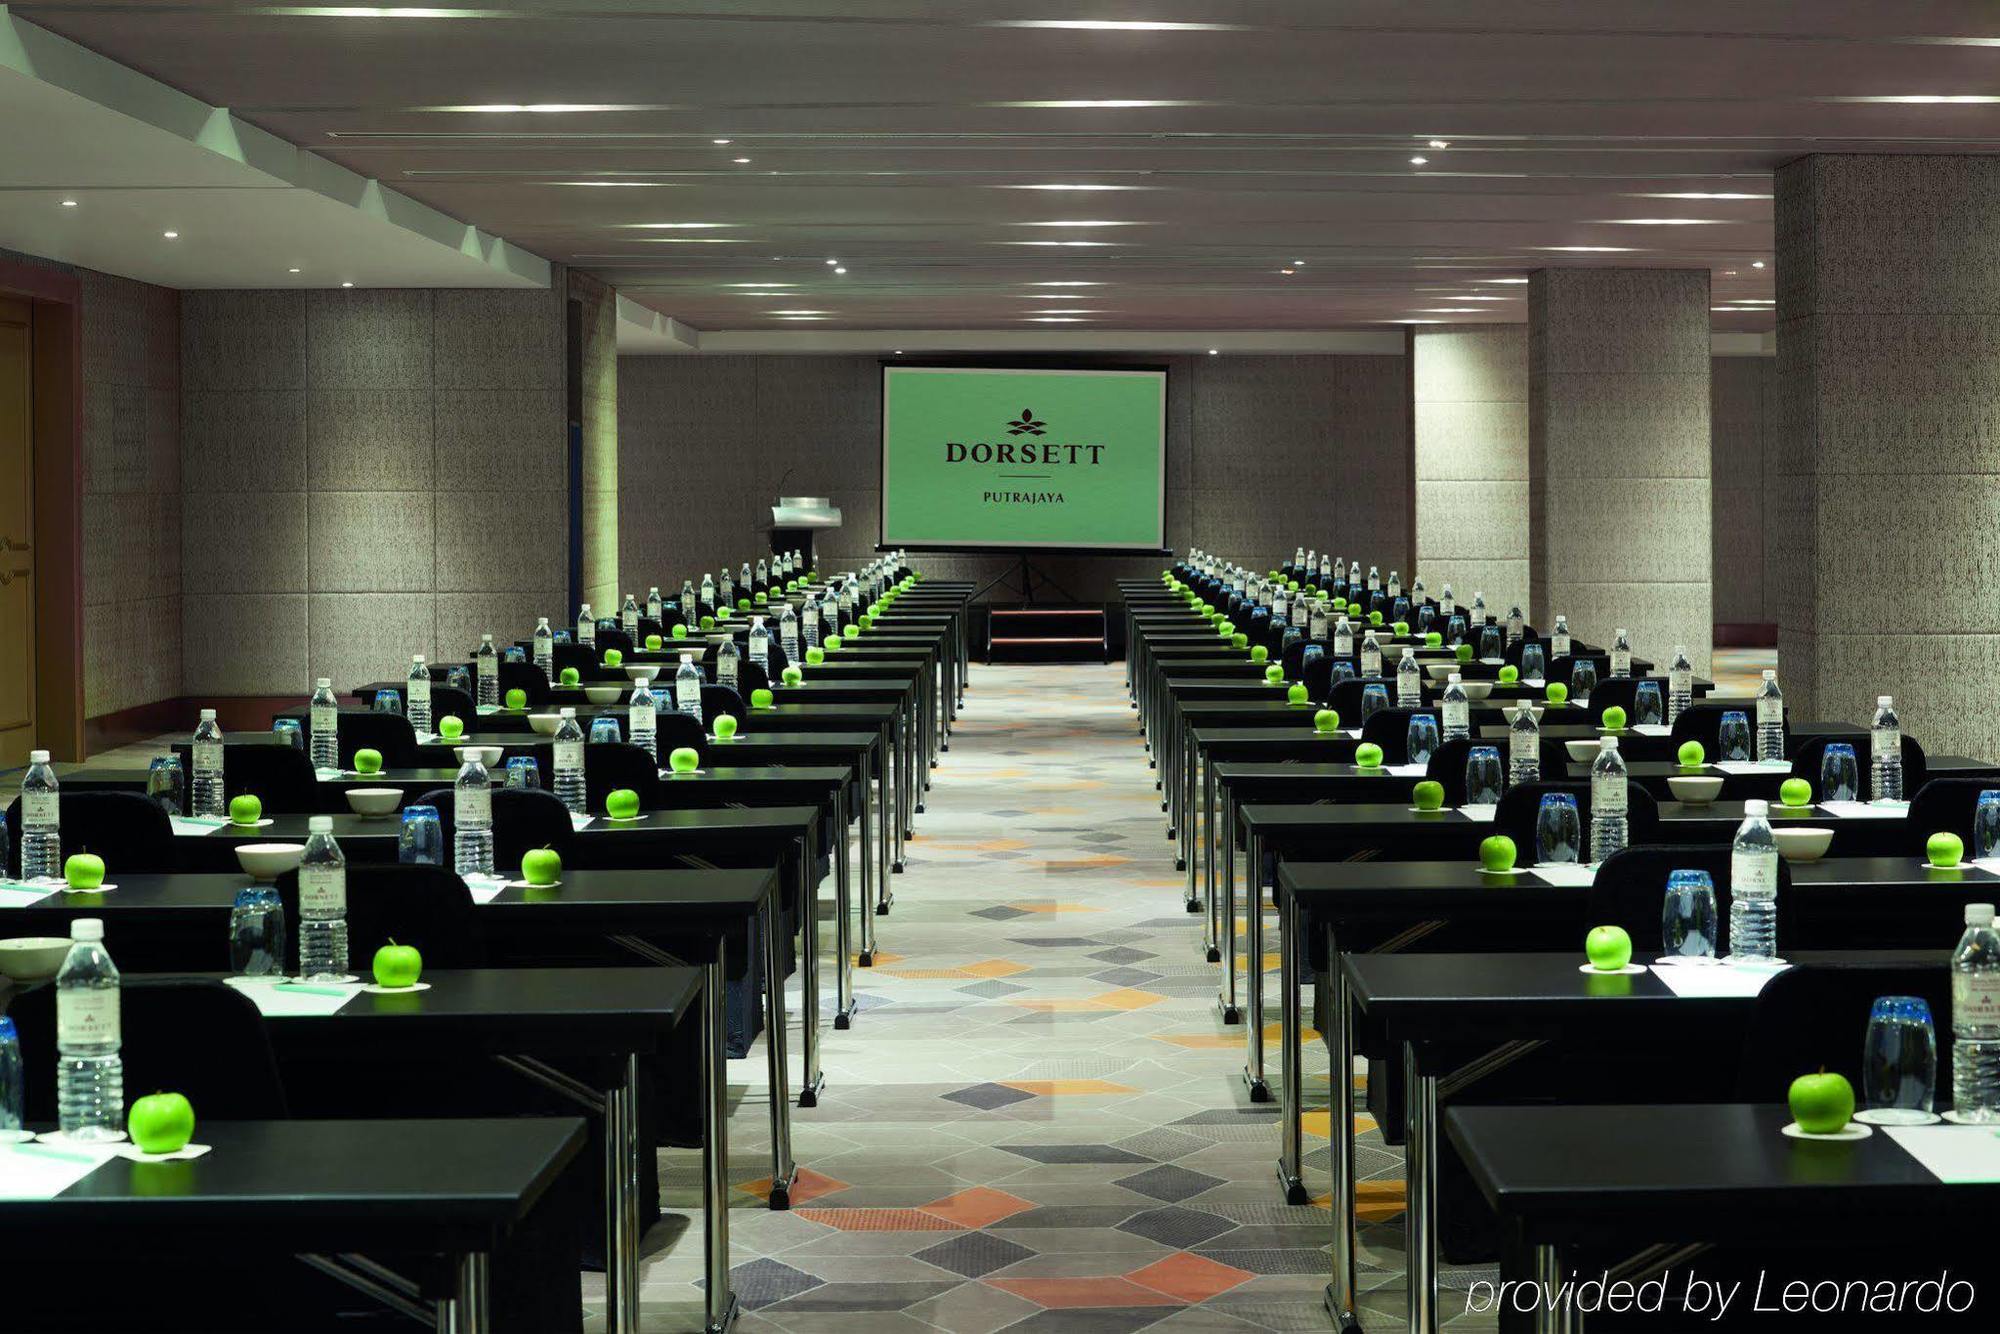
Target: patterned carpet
1036, 1123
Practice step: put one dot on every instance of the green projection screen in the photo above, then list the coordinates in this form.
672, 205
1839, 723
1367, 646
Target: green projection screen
986, 457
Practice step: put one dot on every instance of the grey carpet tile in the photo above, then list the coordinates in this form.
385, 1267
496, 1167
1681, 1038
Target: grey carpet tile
1125, 977
764, 1283
1162, 1145
1068, 1216
1073, 1153
974, 1254
986, 1097
1170, 1183
991, 989
831, 1297
1174, 1226
1121, 954
1091, 1320
1267, 1261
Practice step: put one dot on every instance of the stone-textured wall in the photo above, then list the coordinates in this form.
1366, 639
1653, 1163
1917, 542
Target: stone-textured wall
1264, 453
1471, 413
599, 393
366, 475
1618, 457
1742, 398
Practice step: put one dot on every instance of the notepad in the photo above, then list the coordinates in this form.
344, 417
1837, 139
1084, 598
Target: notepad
485, 891
195, 824
1570, 875
19, 893
1955, 1155
579, 821
32, 1171
276, 999
1717, 979
1864, 810
1753, 766
1652, 729
1481, 812
1406, 770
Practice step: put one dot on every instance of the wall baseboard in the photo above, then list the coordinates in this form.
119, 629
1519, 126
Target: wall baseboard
1746, 634
236, 713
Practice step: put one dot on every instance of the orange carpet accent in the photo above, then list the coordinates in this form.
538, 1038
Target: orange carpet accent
1375, 1201
807, 1185
1128, 998
979, 1207
878, 1220
1063, 1088
1073, 1293
1190, 1277
994, 968
1051, 906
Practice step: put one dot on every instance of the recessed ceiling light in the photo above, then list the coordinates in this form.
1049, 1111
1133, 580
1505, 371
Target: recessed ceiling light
897, 353
801, 318
1501, 280
830, 263
1212, 351
1056, 243
1756, 263
1053, 319
291, 270
719, 141
1451, 310
1116, 25
1729, 273
1439, 143
1588, 249
1078, 186
1066, 284
740, 161
760, 284
1418, 161
1298, 264
1097, 104
801, 312
347, 284
1695, 194
840, 270
171, 236
1072, 310
1658, 222
1082, 222
1287, 272
69, 203
674, 226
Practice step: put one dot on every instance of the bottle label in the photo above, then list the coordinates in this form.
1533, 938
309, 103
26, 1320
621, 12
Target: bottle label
631, 620
1770, 713
1318, 624
1682, 683
1607, 794
1975, 999
40, 810
1754, 873
687, 694
326, 719
586, 632
473, 806
208, 758
87, 1016
1885, 743
1621, 662
1457, 716
569, 755
323, 890
641, 717
687, 606
1371, 662
1559, 646
725, 670
1448, 605
418, 689
1525, 748
1343, 645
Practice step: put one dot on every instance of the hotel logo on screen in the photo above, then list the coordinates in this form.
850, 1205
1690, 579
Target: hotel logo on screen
1043, 452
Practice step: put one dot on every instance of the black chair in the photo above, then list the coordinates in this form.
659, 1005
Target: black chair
280, 776
1623, 692
1815, 1016
1703, 723
1293, 658
1563, 669
527, 678
1390, 729
611, 637
389, 733
129, 830
424, 906
1945, 805
455, 702
578, 656
1630, 890
1317, 677
749, 677
521, 820
1807, 758
674, 730
1447, 766
611, 765
1520, 805
1344, 697
196, 1036
717, 700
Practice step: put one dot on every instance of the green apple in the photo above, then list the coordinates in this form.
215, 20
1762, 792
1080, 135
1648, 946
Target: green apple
867, 620
616, 657
1614, 719
1509, 675
1368, 755
541, 866
1428, 796
1691, 754
451, 727
1433, 639
1239, 640
369, 761
833, 644
161, 1122
815, 656
725, 727
1556, 693
653, 643
1274, 674
1354, 609
83, 870
1374, 618
707, 622
760, 698
853, 633
791, 676
1496, 853
1795, 792
1821, 1103
1402, 629
516, 699
762, 599
1258, 653
1326, 720
682, 760
1608, 948
623, 803
401, 965
246, 809
743, 604
1944, 848
680, 631
1463, 653
570, 676
1296, 694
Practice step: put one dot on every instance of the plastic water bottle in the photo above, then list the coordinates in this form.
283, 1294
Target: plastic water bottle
1621, 653
1447, 604
1343, 638
1395, 584
324, 714
1371, 654
208, 798
642, 719
628, 615
1417, 591
727, 587
687, 688
728, 671
544, 648
472, 819
788, 632
1316, 620
760, 643
1771, 720
1524, 748
707, 589
41, 820
1298, 557
13, 1082
1409, 681
763, 573
90, 1075
1680, 683
1374, 579
1975, 1019
486, 671
586, 626
1885, 749
1753, 886
569, 762
417, 692
809, 621
1559, 638
1457, 709
745, 587
1478, 608
322, 903
689, 611
654, 606
1517, 625
1609, 826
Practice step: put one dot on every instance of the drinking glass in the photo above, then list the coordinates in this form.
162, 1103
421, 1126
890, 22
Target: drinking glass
388, 701
1732, 738
1646, 709
459, 678
1491, 642
1839, 777
1343, 670
1558, 829
1534, 660
257, 933
1374, 698
560, 637
1899, 1062
524, 774
1455, 630
515, 654
1423, 738
1425, 615
1309, 655
420, 841
289, 729
1986, 826
1582, 679
1687, 918
166, 783
1482, 776
605, 729
1399, 610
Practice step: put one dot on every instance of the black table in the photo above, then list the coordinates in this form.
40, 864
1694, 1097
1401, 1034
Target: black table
452, 1188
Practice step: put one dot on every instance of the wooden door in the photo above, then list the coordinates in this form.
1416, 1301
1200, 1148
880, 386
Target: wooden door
17, 530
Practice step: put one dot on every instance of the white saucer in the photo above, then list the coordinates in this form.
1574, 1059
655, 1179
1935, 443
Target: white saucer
1958, 1120
376, 988
1896, 1116
1629, 970
182, 1154
1853, 1131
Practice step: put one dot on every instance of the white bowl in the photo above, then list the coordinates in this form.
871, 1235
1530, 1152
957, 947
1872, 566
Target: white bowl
645, 671
545, 724
268, 861
487, 755
1583, 752
32, 958
1700, 789
374, 800
1476, 690
1439, 671
603, 694
1512, 711
1802, 845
